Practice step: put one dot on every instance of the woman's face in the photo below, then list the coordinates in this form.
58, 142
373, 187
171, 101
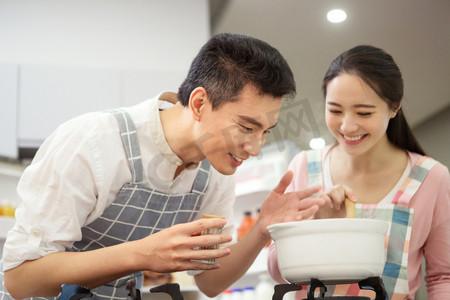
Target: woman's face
356, 115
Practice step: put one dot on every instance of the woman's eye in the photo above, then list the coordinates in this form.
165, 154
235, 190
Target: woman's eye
364, 113
334, 111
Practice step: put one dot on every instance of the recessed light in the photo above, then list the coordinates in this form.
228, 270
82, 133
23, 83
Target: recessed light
317, 143
336, 16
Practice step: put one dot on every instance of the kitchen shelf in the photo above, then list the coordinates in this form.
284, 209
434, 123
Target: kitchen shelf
260, 263
11, 169
6, 223
10, 172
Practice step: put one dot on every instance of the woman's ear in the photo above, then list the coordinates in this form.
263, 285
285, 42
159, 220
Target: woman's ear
395, 110
198, 101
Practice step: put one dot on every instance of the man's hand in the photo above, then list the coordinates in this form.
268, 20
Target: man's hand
176, 248
280, 207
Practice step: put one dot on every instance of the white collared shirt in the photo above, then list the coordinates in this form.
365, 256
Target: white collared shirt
79, 171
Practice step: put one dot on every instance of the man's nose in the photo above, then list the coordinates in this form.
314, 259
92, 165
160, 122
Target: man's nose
253, 146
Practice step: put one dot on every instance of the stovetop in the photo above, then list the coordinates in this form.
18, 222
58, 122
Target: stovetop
371, 283
71, 292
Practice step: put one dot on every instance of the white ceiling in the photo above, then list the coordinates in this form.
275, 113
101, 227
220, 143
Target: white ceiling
415, 32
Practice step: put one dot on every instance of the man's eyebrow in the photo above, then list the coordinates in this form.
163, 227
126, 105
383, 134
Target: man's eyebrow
255, 122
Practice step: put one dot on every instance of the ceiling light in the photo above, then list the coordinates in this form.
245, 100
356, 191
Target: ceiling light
336, 16
317, 143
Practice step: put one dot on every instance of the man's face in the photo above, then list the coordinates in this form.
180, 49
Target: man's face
231, 133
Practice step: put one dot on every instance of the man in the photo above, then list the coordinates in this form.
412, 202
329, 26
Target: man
111, 194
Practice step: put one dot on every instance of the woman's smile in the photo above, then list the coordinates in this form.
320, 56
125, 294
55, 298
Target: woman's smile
353, 140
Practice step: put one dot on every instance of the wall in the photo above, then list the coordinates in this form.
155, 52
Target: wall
433, 135
60, 59
138, 34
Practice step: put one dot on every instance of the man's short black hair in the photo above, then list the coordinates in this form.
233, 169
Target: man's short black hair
228, 62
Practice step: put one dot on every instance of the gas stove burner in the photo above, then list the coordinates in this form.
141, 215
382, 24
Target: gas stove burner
173, 289
76, 292
371, 283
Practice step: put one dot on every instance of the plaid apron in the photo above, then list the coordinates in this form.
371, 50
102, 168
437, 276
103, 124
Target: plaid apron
397, 214
137, 212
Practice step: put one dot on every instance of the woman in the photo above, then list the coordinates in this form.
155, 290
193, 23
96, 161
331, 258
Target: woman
378, 163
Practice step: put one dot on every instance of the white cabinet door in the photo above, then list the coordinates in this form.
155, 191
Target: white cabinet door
50, 96
8, 110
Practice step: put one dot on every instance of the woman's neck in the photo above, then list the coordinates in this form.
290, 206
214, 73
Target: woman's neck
377, 158
371, 175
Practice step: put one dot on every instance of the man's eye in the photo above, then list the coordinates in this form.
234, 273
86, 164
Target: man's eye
246, 129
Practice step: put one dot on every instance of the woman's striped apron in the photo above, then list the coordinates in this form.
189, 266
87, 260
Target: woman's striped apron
397, 214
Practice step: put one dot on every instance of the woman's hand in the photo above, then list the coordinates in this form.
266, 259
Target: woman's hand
281, 207
335, 198
176, 248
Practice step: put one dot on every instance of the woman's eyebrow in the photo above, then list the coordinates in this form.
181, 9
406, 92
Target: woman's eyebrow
356, 105
365, 106
333, 103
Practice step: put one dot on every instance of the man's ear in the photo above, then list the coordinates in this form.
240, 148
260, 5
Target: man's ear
198, 101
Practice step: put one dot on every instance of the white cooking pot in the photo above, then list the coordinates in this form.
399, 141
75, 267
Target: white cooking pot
331, 250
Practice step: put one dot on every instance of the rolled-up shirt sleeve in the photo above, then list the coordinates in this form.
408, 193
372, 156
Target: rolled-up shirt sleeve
60, 192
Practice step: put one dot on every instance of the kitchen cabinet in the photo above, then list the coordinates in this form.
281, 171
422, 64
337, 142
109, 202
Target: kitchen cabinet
8, 111
51, 95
